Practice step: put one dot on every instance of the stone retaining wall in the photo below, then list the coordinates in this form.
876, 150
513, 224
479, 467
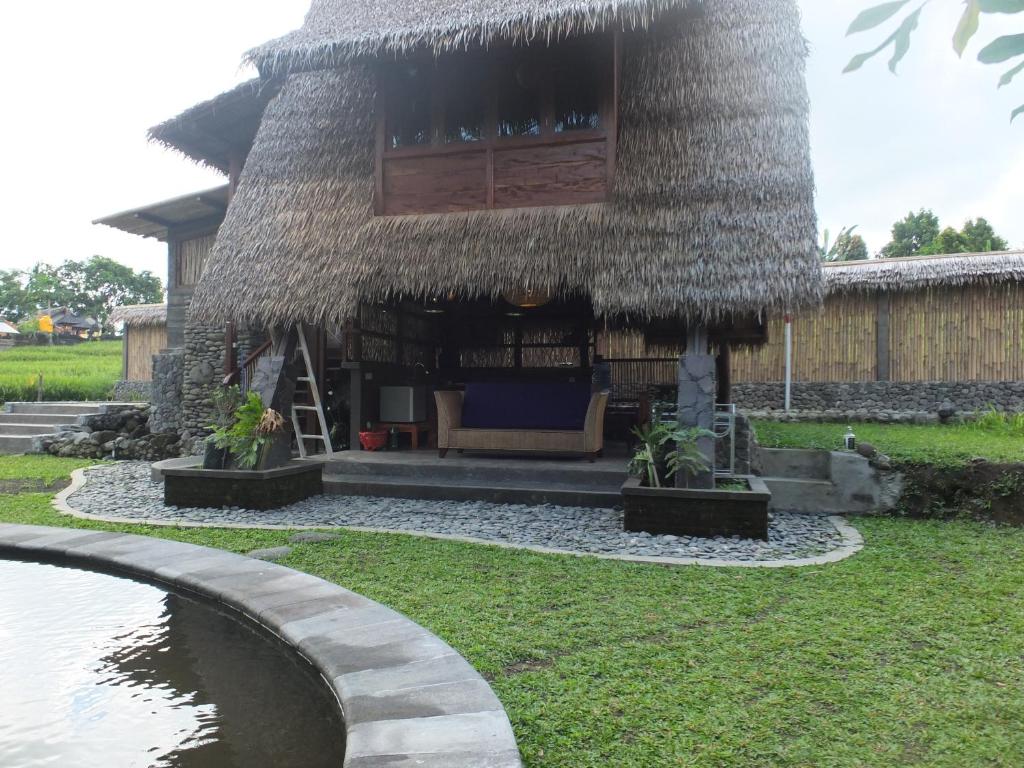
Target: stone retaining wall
203, 372
168, 375
130, 391
895, 401
117, 432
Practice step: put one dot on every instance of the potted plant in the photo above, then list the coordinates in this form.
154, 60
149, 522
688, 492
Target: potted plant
654, 504
225, 401
253, 430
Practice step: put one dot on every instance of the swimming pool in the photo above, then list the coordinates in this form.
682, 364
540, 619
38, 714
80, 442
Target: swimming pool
101, 670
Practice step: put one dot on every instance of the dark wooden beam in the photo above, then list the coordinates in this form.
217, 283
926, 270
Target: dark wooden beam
153, 219
212, 202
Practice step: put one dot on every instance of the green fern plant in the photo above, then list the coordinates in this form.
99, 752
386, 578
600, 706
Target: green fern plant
246, 436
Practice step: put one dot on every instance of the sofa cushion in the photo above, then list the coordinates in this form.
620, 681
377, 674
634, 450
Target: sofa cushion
526, 405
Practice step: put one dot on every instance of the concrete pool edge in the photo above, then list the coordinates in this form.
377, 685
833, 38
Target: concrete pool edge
407, 698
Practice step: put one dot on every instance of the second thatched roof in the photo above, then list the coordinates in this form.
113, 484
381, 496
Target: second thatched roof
140, 315
712, 212
921, 272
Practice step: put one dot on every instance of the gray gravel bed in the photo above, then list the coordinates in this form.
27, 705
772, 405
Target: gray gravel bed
125, 491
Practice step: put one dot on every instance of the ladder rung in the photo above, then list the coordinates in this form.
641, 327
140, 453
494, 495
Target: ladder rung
304, 407
312, 437
303, 378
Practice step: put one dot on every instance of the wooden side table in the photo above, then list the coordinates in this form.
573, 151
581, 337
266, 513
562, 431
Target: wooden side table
412, 429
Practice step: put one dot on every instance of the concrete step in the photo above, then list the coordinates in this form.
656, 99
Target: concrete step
495, 492
795, 463
606, 474
50, 409
36, 418
7, 430
15, 444
797, 495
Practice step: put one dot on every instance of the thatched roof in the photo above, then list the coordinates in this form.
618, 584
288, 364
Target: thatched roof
712, 211
139, 315
338, 30
211, 130
920, 272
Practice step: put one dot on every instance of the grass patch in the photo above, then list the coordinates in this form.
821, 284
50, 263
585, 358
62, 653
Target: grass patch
910, 653
84, 371
938, 444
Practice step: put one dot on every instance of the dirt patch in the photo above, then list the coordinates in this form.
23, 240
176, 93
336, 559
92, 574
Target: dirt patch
34, 485
980, 491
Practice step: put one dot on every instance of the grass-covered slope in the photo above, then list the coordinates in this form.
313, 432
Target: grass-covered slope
84, 371
908, 654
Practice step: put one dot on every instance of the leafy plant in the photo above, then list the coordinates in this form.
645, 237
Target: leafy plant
225, 401
253, 428
668, 447
998, 51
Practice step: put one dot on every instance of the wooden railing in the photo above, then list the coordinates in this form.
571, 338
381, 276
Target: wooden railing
242, 375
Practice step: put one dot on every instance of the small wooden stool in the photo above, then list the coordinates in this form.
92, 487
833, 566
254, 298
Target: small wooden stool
412, 429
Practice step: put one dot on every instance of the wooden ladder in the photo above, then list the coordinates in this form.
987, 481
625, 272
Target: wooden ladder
317, 406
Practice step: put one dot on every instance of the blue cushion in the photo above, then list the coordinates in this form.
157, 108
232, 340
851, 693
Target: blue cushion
526, 405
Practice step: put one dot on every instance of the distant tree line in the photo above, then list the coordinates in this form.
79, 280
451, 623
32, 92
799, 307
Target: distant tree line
93, 287
916, 234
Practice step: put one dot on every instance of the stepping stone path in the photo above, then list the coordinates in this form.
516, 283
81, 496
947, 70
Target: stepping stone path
311, 537
271, 554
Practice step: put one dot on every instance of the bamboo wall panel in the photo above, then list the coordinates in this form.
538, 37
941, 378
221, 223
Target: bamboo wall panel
141, 343
959, 334
190, 259
837, 343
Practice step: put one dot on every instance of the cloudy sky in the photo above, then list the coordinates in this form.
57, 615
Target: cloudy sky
86, 79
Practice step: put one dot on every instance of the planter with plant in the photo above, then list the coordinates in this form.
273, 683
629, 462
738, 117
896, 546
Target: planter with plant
737, 506
250, 434
225, 401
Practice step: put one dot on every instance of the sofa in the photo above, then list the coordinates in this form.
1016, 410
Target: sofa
522, 417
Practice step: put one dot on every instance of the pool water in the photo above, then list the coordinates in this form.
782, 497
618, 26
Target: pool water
99, 670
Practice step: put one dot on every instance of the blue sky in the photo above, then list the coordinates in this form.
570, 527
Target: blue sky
82, 94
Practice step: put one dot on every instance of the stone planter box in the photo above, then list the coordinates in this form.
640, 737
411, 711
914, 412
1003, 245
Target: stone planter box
193, 486
697, 512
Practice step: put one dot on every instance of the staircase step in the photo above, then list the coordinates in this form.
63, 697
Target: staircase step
802, 495
787, 462
8, 430
439, 490
50, 409
36, 418
15, 444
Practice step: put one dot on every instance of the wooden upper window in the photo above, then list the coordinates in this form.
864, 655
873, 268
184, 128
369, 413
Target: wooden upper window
505, 129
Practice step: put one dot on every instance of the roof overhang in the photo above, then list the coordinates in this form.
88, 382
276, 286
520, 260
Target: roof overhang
160, 220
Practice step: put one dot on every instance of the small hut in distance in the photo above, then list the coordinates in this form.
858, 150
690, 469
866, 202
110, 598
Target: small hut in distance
443, 198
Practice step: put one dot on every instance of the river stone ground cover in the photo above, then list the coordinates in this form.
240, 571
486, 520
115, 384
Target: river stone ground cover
124, 491
908, 654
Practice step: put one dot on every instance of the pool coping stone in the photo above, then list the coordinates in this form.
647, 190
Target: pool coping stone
407, 697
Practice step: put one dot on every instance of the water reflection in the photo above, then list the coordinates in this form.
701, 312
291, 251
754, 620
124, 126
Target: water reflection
99, 670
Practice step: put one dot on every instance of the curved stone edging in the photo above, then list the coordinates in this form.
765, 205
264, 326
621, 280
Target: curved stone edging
406, 696
851, 543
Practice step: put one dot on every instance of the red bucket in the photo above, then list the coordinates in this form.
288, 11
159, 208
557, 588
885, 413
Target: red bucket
373, 441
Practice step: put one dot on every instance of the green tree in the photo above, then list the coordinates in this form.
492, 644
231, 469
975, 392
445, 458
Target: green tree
947, 241
846, 247
980, 237
14, 305
92, 287
911, 234
1001, 50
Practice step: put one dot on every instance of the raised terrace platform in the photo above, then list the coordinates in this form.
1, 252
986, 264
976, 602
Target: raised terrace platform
477, 477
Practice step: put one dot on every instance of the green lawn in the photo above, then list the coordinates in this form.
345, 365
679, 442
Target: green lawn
84, 371
936, 444
911, 653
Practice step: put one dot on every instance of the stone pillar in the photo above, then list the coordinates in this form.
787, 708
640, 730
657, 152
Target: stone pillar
696, 402
165, 396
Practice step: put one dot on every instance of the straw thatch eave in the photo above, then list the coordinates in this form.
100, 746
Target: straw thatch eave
336, 31
209, 132
922, 272
140, 315
712, 214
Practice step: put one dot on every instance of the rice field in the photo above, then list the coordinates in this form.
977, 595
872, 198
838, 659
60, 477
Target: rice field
84, 371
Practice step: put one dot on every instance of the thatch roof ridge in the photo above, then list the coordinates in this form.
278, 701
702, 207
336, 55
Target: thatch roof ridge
139, 315
336, 31
918, 272
712, 213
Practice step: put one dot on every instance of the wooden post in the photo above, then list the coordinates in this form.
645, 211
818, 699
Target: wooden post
723, 371
883, 358
39, 389
230, 339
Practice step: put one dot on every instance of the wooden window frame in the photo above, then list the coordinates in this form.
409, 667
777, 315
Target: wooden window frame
608, 48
